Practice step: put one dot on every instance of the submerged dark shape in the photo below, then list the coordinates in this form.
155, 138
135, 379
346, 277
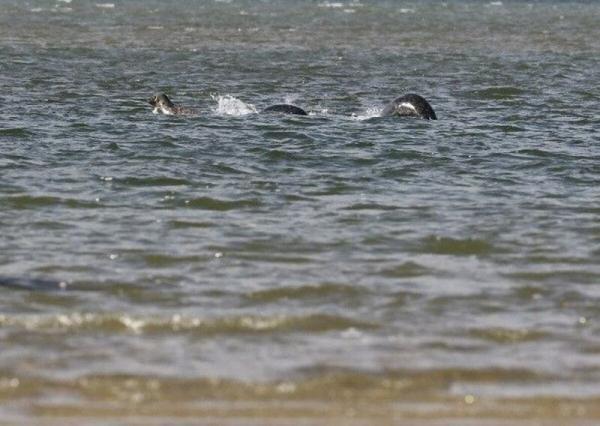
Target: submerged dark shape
163, 105
26, 283
410, 105
285, 109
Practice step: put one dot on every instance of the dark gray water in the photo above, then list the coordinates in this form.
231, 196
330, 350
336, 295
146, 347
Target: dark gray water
154, 265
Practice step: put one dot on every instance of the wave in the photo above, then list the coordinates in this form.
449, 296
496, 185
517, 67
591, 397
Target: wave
201, 326
321, 396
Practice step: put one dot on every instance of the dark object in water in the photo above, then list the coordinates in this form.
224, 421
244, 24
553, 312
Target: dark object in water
24, 283
163, 105
410, 105
285, 109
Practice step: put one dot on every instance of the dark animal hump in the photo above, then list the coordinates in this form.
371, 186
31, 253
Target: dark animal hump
286, 109
410, 105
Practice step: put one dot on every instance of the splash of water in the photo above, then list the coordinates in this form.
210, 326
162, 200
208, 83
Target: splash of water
290, 99
230, 105
369, 113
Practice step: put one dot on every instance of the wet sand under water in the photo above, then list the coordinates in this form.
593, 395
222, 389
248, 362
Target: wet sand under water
340, 268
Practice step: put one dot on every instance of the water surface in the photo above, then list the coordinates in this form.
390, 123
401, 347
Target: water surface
340, 267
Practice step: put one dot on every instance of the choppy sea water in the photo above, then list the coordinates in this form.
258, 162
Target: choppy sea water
336, 268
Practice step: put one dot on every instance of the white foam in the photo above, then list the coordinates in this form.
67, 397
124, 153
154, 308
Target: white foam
105, 5
371, 112
323, 112
230, 105
351, 333
331, 4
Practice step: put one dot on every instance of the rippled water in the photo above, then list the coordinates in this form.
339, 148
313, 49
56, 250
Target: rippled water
340, 268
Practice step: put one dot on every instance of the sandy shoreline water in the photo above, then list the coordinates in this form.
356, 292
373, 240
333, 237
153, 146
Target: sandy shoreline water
336, 268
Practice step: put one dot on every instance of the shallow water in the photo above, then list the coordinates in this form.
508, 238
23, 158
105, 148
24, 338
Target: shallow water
337, 266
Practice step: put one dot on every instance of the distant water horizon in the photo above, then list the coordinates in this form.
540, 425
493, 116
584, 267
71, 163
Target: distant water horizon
338, 268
